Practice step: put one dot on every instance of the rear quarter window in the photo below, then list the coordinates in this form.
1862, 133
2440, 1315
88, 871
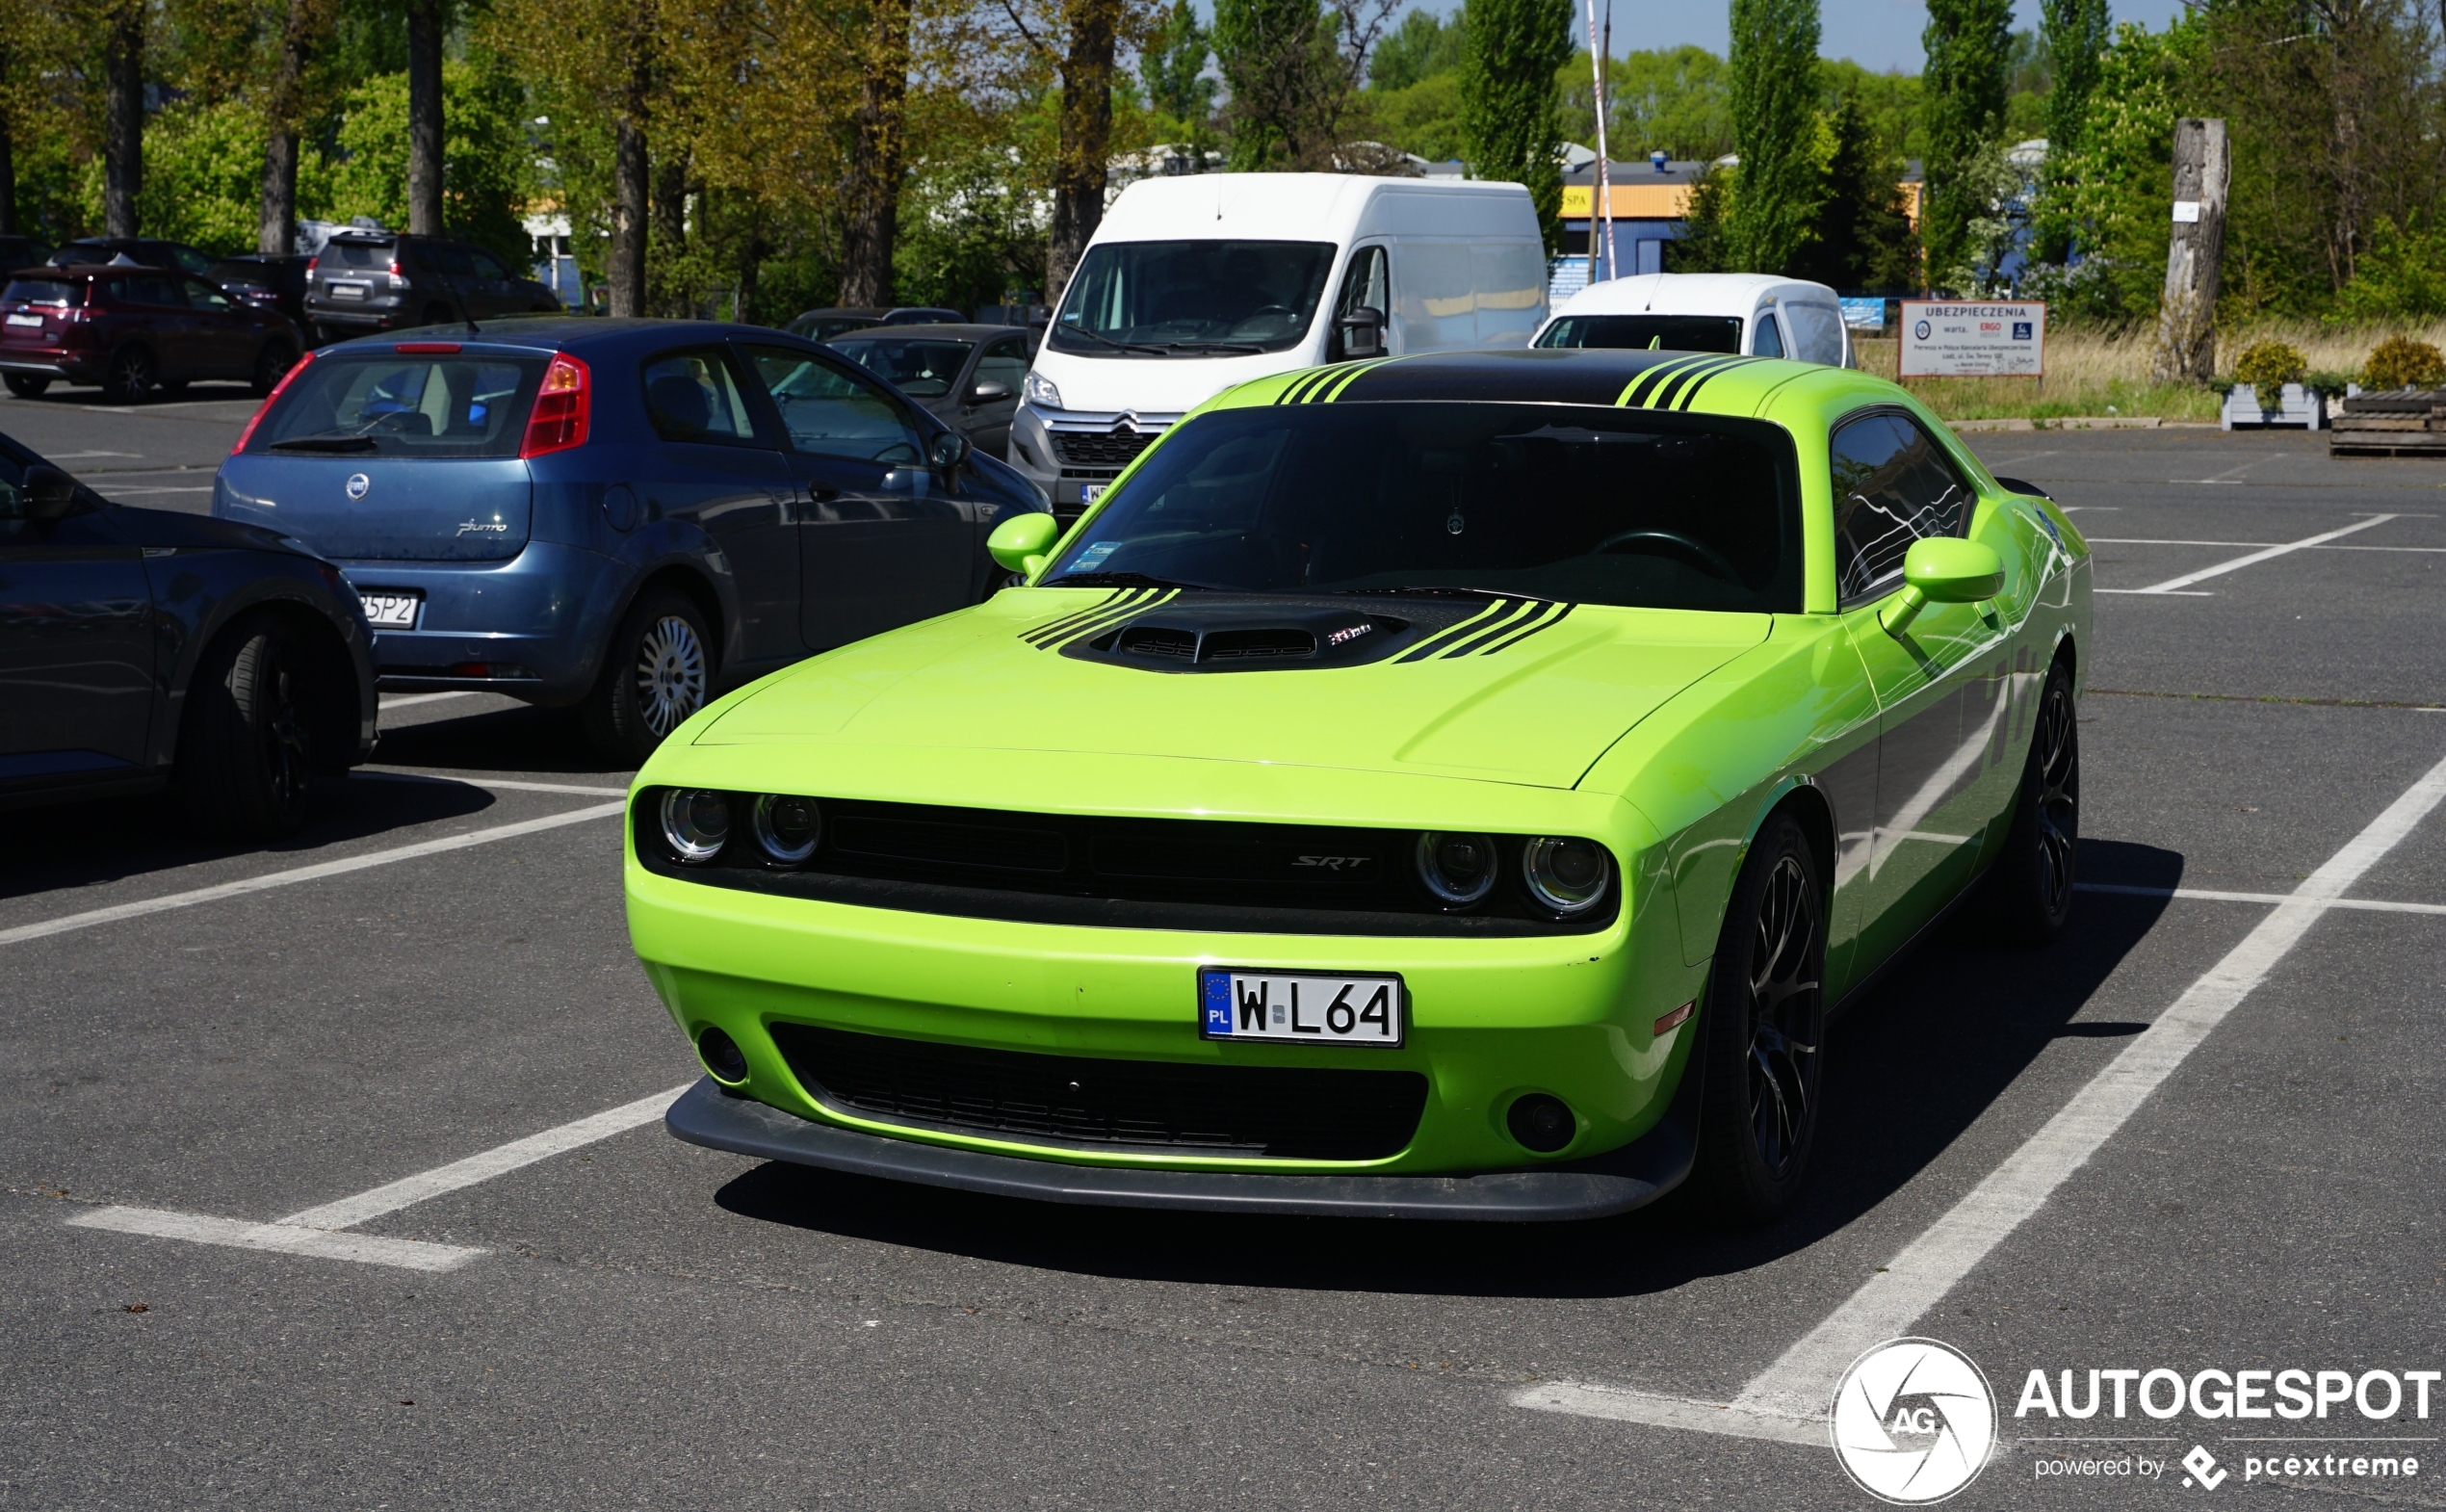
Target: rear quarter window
405, 406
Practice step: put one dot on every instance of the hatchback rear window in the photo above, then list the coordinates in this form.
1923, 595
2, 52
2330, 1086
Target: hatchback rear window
404, 405
68, 292
359, 254
1664, 332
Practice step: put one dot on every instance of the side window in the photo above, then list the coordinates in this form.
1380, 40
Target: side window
1892, 487
453, 261
692, 396
829, 412
204, 296
1363, 286
1817, 333
190, 260
486, 266
1004, 362
1768, 339
155, 290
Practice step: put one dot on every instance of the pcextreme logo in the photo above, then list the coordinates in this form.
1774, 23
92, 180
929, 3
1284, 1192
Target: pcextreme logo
1914, 1420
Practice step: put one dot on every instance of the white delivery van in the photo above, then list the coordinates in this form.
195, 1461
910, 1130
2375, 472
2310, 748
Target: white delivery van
1195, 283
1737, 312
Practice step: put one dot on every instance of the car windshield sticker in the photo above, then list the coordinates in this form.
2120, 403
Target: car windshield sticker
1094, 555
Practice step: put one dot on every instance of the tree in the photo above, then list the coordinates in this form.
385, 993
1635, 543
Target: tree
1172, 65
1292, 67
122, 114
426, 22
1860, 237
1969, 48
1509, 101
1422, 47
1774, 103
2076, 35
871, 192
1079, 40
304, 26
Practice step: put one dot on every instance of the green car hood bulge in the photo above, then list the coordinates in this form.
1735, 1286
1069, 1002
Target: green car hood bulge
1516, 691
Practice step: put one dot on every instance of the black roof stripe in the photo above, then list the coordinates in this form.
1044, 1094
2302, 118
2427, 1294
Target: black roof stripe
1638, 394
1688, 382
1527, 374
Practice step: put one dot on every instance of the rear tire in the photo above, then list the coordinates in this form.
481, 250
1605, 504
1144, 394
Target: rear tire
1765, 1032
2030, 886
656, 674
131, 376
246, 746
27, 385
271, 364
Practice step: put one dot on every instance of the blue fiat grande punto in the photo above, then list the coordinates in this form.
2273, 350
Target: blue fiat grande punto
623, 516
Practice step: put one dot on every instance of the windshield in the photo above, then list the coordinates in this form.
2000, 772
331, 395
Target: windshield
1191, 299
920, 368
405, 405
1665, 332
1566, 502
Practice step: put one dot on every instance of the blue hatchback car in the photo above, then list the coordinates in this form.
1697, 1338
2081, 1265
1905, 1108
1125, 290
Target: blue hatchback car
625, 516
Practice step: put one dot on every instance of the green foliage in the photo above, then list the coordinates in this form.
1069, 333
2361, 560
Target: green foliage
2268, 365
1424, 118
1701, 248
2077, 35
1860, 238
1279, 63
484, 157
204, 177
971, 227
1172, 65
1773, 98
2400, 362
1891, 102
1510, 124
2110, 199
1423, 46
1670, 98
2402, 276
1970, 47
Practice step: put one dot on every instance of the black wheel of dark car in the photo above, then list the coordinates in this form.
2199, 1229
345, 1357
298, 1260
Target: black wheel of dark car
27, 385
130, 377
245, 756
272, 364
1766, 1003
2031, 884
656, 674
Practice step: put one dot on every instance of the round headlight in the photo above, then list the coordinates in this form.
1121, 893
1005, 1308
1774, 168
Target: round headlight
1459, 870
1567, 875
787, 829
696, 823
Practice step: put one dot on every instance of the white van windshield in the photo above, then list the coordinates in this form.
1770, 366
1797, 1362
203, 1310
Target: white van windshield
1191, 299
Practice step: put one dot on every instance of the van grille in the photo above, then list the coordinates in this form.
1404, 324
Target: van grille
1115, 448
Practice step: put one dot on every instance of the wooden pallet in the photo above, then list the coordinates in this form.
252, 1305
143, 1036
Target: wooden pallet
2401, 422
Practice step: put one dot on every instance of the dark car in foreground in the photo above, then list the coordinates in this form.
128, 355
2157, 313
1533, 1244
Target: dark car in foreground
623, 516
968, 376
365, 281
132, 329
141, 649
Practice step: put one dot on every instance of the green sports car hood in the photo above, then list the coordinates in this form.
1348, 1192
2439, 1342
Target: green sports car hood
1509, 689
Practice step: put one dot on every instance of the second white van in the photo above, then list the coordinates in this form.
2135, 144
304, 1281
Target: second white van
1754, 314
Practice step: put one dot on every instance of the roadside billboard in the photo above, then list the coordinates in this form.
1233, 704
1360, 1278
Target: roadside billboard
1973, 338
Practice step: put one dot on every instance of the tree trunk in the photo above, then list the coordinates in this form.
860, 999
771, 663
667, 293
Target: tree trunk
123, 120
2186, 317
871, 206
425, 117
277, 228
629, 211
1086, 140
8, 168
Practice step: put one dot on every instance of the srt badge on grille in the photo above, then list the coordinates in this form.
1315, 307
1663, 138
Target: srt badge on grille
1332, 863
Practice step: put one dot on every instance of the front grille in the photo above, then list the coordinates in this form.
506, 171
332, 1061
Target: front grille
1279, 1112
1105, 449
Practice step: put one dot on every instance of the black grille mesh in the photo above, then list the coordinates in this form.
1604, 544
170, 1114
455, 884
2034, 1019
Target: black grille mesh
1109, 449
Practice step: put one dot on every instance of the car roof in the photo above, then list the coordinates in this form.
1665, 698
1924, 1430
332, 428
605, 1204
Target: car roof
942, 331
1689, 293
1697, 381
579, 335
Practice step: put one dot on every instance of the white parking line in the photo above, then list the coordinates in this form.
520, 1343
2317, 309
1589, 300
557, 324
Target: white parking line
195, 1228
2178, 584
409, 700
504, 783
2211, 895
305, 874
1798, 1387
2138, 540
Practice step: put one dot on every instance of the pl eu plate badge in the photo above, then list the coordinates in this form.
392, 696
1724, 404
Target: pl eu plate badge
1299, 1007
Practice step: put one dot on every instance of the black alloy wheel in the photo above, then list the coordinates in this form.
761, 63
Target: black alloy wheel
2032, 880
245, 755
1763, 1043
27, 385
272, 363
131, 376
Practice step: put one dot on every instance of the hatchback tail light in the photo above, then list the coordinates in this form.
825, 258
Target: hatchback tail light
270, 399
563, 408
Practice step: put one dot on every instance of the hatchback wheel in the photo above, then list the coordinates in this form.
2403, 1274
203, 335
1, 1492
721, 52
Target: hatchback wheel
27, 385
245, 757
656, 674
272, 364
2031, 884
131, 376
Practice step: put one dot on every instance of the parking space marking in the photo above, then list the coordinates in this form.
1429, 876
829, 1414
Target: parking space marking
2210, 896
505, 784
367, 1248
1798, 1386
305, 874
410, 700
2137, 541
2177, 584
1669, 1412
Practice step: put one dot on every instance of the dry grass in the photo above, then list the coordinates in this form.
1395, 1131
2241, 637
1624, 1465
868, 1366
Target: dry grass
2101, 373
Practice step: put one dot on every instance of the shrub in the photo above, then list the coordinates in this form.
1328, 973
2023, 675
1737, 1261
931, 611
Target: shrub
2268, 365
2400, 362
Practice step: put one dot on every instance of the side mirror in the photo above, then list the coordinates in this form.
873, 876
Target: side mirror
1943, 570
1019, 542
1361, 332
949, 450
988, 391
50, 494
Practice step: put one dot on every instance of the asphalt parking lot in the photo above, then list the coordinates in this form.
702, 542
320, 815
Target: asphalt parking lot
2203, 1131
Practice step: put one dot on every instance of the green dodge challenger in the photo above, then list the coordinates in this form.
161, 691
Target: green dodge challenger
1461, 786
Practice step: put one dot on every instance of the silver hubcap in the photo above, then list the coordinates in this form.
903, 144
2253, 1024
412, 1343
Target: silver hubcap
670, 675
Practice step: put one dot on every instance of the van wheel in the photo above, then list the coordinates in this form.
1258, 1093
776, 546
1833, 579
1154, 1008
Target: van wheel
655, 676
245, 756
130, 378
27, 385
271, 364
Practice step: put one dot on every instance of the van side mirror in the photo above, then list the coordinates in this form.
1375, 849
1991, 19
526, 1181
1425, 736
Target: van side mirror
50, 494
1362, 333
1019, 542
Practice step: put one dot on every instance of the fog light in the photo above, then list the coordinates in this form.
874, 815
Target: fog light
1542, 1123
722, 1056
787, 829
696, 823
1569, 876
1459, 870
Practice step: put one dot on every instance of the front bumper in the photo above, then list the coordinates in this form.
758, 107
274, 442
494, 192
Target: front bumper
1616, 1182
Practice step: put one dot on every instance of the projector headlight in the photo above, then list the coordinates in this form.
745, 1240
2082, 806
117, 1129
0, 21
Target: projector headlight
1569, 876
696, 823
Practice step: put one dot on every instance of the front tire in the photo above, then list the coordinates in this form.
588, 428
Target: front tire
1766, 1032
2030, 886
655, 675
131, 376
245, 756
27, 385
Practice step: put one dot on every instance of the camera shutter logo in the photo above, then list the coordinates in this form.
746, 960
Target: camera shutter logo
357, 484
1914, 1422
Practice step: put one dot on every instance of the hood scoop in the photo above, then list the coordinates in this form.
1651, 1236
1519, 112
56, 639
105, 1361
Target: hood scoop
1224, 635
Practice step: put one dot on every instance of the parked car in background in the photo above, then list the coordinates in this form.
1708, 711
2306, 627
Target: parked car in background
149, 250
1749, 314
132, 329
365, 281
968, 377
269, 282
145, 649
23, 251
825, 323
617, 515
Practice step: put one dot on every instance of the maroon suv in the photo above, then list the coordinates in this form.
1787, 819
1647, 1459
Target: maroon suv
135, 330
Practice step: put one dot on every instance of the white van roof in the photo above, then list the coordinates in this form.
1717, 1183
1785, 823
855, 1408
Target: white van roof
1314, 207
1689, 293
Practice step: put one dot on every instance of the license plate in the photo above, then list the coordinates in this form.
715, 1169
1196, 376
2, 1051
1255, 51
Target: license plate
389, 611
34, 321
346, 291
1089, 493
1299, 1008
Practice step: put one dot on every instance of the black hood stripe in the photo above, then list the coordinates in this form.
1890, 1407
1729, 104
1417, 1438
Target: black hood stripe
1495, 613
1516, 637
1121, 606
1527, 623
1122, 615
1056, 626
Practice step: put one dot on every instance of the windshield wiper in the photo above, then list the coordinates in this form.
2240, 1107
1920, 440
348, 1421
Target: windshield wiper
1117, 580
1097, 335
1212, 346
328, 443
